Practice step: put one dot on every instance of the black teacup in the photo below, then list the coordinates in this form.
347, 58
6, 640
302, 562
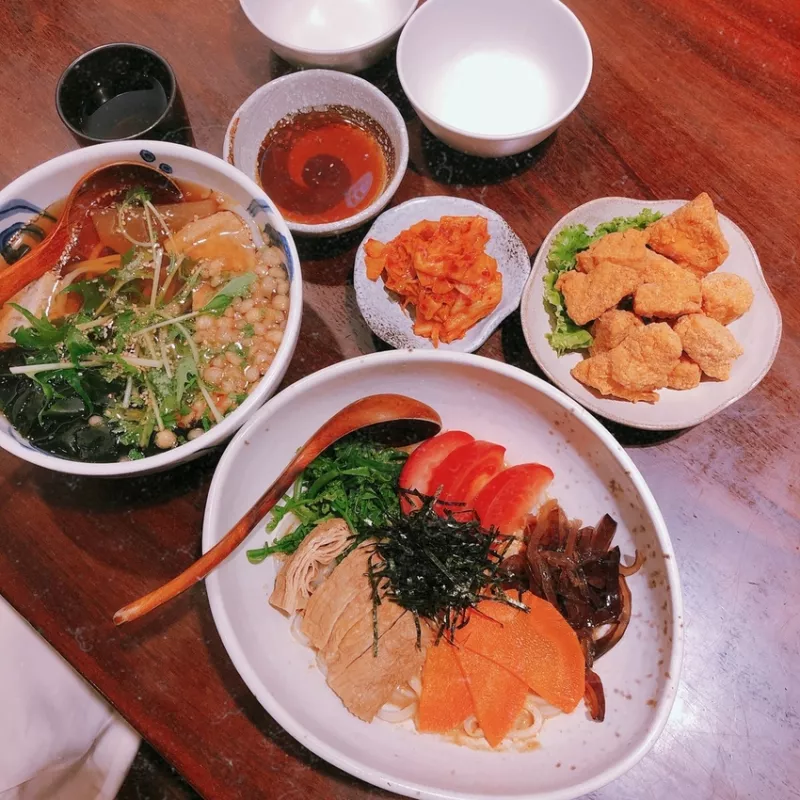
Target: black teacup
122, 91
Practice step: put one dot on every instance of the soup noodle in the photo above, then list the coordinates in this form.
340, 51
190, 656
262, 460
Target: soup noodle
163, 319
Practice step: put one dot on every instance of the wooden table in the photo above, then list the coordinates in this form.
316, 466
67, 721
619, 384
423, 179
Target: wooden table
686, 96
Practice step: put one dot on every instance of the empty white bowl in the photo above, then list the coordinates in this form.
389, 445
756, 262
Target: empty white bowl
494, 78
307, 90
349, 35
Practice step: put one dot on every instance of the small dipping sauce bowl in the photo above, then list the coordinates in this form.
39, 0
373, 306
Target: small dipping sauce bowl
277, 104
494, 78
349, 35
122, 91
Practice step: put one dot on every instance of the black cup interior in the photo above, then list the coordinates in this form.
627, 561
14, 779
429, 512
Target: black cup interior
116, 91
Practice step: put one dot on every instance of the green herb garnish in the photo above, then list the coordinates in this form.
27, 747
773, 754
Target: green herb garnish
235, 287
566, 335
355, 480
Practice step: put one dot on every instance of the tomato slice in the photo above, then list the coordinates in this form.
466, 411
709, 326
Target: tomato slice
419, 468
504, 502
465, 472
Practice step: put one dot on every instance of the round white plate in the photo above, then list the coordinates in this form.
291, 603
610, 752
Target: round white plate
384, 314
593, 475
758, 331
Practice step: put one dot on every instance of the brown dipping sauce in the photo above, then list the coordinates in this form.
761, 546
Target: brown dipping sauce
325, 165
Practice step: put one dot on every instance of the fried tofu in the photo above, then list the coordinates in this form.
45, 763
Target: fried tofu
655, 268
726, 296
645, 358
691, 236
684, 375
595, 372
588, 296
672, 292
710, 344
610, 328
625, 248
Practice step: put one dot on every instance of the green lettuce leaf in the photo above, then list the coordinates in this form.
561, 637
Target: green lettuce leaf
565, 335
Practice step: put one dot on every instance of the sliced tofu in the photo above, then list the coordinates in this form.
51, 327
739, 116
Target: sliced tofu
330, 600
222, 237
370, 680
295, 583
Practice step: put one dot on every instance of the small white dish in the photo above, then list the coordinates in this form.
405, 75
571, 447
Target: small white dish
313, 89
593, 475
349, 35
758, 331
384, 314
21, 200
494, 79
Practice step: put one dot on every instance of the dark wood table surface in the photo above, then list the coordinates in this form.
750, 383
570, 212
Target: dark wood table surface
686, 96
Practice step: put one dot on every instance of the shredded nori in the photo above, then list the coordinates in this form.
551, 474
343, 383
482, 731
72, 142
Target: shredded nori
437, 567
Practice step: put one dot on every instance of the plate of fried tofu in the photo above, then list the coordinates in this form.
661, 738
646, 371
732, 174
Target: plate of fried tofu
654, 314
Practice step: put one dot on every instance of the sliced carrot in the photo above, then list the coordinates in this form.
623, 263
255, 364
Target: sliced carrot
538, 647
497, 694
445, 701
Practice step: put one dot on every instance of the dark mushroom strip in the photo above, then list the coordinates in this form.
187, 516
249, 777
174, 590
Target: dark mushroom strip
595, 696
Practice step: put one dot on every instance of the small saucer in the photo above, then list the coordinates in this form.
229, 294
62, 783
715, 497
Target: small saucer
386, 317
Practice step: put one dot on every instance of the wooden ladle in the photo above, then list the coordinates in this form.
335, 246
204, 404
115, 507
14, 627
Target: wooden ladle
100, 187
390, 418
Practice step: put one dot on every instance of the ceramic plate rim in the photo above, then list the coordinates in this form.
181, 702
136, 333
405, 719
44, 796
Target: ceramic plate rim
361, 770
483, 328
530, 295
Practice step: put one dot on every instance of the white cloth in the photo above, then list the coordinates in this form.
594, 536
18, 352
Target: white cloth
59, 740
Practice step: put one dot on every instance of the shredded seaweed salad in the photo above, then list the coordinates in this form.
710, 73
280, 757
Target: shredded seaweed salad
355, 480
566, 335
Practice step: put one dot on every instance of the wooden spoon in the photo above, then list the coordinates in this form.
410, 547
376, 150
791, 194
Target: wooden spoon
393, 418
100, 187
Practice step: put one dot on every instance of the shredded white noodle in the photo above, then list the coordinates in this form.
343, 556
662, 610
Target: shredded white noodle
297, 634
403, 704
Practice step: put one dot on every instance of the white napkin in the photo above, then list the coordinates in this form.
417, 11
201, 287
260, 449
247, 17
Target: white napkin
58, 739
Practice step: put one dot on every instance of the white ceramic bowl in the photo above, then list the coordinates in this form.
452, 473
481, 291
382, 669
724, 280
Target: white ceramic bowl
494, 78
308, 90
54, 179
385, 315
349, 35
593, 475
758, 331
